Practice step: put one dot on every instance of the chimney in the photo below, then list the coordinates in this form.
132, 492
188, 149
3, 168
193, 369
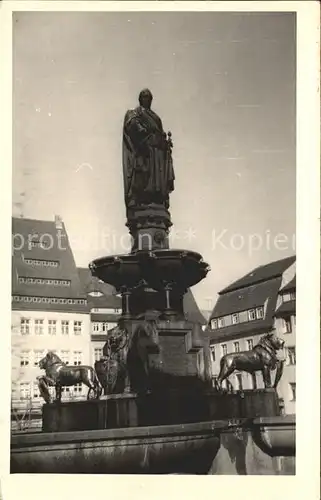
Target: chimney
58, 222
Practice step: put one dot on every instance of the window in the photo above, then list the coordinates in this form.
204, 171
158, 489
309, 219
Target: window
287, 325
52, 327
39, 326
224, 349
48, 300
77, 389
24, 358
293, 389
249, 344
254, 382
77, 327
42, 263
213, 352
235, 318
43, 281
25, 326
105, 327
292, 295
36, 392
96, 294
24, 390
77, 357
236, 347
96, 327
220, 322
65, 357
214, 324
65, 327
239, 382
38, 355
259, 312
251, 314
98, 354
291, 355
286, 297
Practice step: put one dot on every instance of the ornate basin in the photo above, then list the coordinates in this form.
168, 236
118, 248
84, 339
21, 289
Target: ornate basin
157, 268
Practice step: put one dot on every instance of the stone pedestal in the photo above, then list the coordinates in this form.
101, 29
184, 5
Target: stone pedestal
149, 225
111, 412
185, 401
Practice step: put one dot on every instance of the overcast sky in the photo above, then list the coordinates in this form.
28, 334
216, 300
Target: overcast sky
223, 83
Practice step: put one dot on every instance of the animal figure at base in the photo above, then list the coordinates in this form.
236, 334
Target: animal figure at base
111, 369
263, 357
59, 375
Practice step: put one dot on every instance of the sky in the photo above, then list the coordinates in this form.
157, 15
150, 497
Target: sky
223, 84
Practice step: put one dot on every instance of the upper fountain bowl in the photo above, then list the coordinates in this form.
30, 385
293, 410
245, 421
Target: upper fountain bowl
157, 269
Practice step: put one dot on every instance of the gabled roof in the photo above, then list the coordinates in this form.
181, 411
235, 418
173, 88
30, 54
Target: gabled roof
27, 252
260, 287
109, 299
191, 309
259, 295
247, 298
286, 309
261, 273
290, 287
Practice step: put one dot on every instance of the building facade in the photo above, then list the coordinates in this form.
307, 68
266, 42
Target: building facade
49, 307
260, 302
104, 307
285, 325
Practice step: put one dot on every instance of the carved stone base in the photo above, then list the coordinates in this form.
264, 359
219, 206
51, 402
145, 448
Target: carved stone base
149, 226
167, 354
180, 405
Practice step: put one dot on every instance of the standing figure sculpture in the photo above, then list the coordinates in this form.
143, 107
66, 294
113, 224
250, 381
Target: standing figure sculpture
147, 156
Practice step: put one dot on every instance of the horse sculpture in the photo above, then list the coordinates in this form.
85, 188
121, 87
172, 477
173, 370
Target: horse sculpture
263, 357
59, 374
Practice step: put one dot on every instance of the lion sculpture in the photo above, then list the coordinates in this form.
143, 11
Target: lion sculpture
111, 369
59, 375
263, 357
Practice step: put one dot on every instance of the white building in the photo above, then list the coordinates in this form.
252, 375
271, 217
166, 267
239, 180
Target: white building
259, 302
49, 307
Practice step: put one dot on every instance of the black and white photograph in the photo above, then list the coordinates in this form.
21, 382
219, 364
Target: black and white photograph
154, 242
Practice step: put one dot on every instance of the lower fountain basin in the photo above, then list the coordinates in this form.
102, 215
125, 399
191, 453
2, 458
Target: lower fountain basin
184, 448
275, 436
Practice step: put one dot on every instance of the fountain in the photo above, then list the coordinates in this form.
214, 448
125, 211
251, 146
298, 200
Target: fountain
160, 413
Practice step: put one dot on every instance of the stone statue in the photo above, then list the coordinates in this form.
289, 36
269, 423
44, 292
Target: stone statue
111, 369
147, 156
59, 375
143, 341
263, 357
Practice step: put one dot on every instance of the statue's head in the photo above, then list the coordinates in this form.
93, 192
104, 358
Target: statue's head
145, 98
50, 359
273, 340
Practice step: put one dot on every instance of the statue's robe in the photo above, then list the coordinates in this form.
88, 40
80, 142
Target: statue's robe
147, 160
